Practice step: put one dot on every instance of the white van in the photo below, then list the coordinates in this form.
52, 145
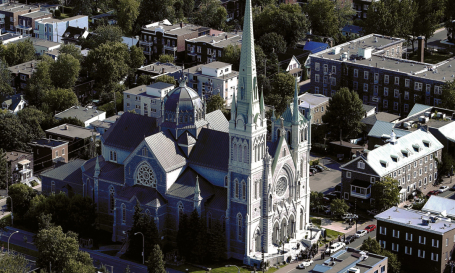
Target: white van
335, 247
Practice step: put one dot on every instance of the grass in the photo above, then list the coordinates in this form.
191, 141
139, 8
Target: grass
219, 267
22, 250
331, 235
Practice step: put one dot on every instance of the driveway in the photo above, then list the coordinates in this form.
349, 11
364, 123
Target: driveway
327, 180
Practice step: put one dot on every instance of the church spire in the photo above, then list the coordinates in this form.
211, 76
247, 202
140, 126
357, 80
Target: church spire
295, 116
233, 107
197, 196
261, 103
97, 168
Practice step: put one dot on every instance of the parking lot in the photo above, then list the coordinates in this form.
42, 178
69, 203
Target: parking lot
327, 180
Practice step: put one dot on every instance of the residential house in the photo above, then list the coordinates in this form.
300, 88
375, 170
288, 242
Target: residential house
9, 37
410, 159
382, 116
41, 46
369, 110
345, 149
361, 7
146, 100
165, 38
351, 260
20, 164
9, 15
423, 242
13, 103
21, 73
291, 61
209, 48
47, 152
216, 78
157, 69
26, 22
85, 115
73, 35
315, 104
53, 30
108, 18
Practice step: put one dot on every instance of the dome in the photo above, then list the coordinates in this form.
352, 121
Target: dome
185, 97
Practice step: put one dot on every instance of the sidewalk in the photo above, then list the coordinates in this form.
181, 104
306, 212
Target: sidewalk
342, 227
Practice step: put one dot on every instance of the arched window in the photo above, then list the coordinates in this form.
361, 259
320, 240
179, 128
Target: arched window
239, 155
234, 154
236, 189
270, 203
239, 227
111, 199
301, 168
256, 189
226, 181
245, 154
52, 187
301, 219
123, 213
289, 138
185, 119
256, 154
144, 151
278, 133
180, 212
209, 220
243, 190
306, 134
147, 212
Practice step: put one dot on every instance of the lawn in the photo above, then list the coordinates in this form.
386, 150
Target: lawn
332, 235
218, 267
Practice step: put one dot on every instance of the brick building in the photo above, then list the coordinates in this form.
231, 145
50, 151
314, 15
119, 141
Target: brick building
9, 15
314, 103
372, 66
48, 152
410, 159
422, 242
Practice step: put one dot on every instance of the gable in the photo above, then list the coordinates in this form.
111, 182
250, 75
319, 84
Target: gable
353, 166
281, 151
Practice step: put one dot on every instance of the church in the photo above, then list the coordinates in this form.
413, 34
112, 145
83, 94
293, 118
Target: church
256, 185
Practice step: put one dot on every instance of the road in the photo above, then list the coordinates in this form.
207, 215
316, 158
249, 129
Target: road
327, 180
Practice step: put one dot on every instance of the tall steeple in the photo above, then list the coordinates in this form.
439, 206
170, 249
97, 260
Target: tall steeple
197, 196
295, 114
248, 97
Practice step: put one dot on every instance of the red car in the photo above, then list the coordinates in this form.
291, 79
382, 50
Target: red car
370, 228
432, 193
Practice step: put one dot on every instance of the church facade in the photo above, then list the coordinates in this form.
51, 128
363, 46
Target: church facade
256, 185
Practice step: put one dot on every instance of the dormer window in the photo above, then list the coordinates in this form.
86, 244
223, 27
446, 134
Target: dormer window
394, 158
384, 163
416, 148
361, 165
405, 153
426, 143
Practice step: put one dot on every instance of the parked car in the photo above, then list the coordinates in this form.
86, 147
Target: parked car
319, 167
360, 233
348, 216
370, 228
349, 239
304, 264
443, 188
372, 212
335, 247
452, 188
408, 206
432, 193
314, 170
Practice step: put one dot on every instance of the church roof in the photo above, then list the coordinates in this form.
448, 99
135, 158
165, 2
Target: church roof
288, 114
70, 172
217, 121
211, 150
129, 131
184, 97
166, 150
110, 171
146, 195
186, 139
183, 187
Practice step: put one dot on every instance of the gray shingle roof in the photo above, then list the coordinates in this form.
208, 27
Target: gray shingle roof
166, 150
211, 150
217, 121
109, 171
73, 131
82, 114
381, 128
186, 139
371, 120
70, 172
146, 195
368, 108
129, 130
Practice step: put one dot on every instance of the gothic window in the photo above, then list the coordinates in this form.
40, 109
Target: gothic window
145, 176
301, 168
239, 155
111, 199
225, 181
301, 219
256, 157
144, 151
123, 213
256, 190
234, 154
180, 212
245, 154
243, 190
278, 133
239, 227
289, 138
281, 186
236, 188
270, 203
306, 134
180, 119
185, 119
209, 220
147, 212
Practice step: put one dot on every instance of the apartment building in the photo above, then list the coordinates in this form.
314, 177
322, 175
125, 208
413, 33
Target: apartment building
52, 29
26, 22
215, 78
20, 164
410, 159
372, 66
21, 73
209, 48
47, 152
316, 104
423, 242
9, 15
146, 99
85, 115
165, 38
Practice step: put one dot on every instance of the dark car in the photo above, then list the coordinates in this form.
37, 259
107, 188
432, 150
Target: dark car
319, 167
314, 170
432, 193
349, 239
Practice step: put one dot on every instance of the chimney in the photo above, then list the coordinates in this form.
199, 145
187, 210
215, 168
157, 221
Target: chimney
421, 48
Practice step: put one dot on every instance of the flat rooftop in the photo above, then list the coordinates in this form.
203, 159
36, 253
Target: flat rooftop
38, 42
197, 70
36, 14
175, 29
414, 219
219, 40
72, 131
139, 90
309, 100
349, 258
81, 113
24, 68
157, 68
17, 7
14, 155
48, 142
101, 124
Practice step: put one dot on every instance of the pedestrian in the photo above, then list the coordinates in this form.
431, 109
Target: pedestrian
339, 238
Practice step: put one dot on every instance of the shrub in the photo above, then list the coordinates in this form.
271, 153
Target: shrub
34, 184
57, 13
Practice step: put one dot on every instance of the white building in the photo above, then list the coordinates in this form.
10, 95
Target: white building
86, 115
52, 29
146, 99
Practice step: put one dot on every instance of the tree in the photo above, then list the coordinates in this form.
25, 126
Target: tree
448, 163
386, 193
4, 172
448, 93
371, 245
12, 132
72, 50
108, 64
339, 207
216, 247
343, 115
231, 55
211, 14
13, 262
59, 99
5, 80
272, 42
83, 7
65, 71
183, 236
137, 57
344, 13
216, 102
144, 79
40, 82
166, 79
21, 195
449, 15
428, 16
283, 85
165, 58
153, 11
188, 7
323, 18
155, 262
103, 35
285, 19
31, 118
316, 200
127, 12
18, 53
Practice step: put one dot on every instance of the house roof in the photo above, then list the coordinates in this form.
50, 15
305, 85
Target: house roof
211, 150
418, 108
82, 114
70, 171
37, 14
166, 150
384, 128
11, 101
352, 29
109, 171
101, 124
413, 219
438, 205
197, 70
72, 131
390, 157
129, 130
217, 121
145, 195
161, 85
24, 68
158, 67
368, 108
73, 32
15, 155
448, 131
315, 47
383, 116
48, 142
311, 100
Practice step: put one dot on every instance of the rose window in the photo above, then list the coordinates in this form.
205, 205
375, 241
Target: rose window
145, 176
281, 186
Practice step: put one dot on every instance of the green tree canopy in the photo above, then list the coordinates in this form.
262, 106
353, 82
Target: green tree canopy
449, 15
386, 193
21, 195
324, 20
31, 119
137, 57
231, 55
5, 80
13, 262
427, 18
283, 85
17, 53
65, 71
166, 79
127, 12
448, 93
216, 102
339, 206
59, 99
12, 132
166, 58
153, 11
155, 262
316, 200
272, 42
3, 170
40, 82
344, 112
211, 14
371, 245
72, 50
104, 34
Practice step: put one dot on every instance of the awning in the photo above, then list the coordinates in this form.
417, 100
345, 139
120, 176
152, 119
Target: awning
25, 161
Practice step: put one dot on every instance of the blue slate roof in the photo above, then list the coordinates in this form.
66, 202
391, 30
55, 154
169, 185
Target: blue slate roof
315, 47
211, 150
70, 172
166, 150
129, 130
381, 128
217, 121
352, 29
145, 195
110, 171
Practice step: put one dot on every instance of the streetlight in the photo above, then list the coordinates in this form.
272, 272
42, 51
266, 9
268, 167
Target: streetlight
238, 269
143, 245
10, 238
12, 217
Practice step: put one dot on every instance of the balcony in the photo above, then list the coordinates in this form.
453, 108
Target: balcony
172, 48
361, 189
192, 53
146, 43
